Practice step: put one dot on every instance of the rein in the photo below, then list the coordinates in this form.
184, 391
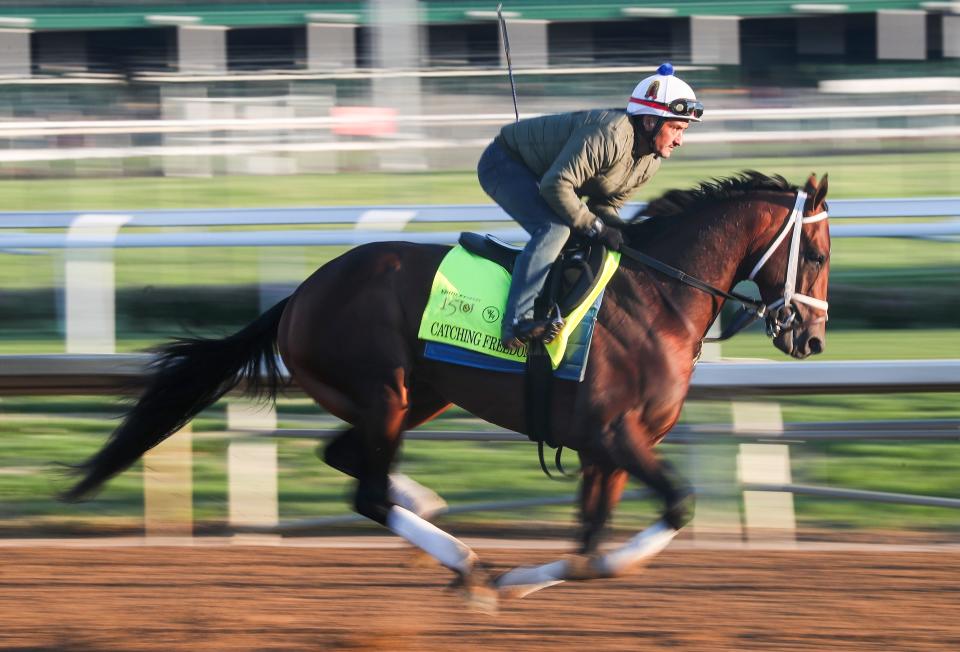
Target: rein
753, 309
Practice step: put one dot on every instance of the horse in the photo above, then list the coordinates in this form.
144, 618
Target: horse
348, 338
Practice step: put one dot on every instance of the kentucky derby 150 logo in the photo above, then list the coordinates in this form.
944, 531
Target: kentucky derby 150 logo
454, 303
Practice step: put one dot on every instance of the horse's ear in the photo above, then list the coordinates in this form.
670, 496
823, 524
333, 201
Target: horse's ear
821, 196
816, 194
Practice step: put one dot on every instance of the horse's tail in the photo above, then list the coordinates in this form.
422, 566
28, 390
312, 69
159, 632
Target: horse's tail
188, 375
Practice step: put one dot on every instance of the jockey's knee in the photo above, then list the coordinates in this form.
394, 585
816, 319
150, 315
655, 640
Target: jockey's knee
552, 230
550, 237
371, 500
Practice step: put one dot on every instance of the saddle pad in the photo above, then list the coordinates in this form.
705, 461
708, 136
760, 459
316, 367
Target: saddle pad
466, 304
572, 367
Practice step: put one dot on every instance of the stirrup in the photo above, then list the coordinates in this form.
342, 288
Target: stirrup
556, 324
545, 330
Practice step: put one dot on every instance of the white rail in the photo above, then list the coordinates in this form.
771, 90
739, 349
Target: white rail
356, 237
58, 374
397, 217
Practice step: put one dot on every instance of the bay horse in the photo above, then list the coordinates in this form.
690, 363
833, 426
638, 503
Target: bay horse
348, 336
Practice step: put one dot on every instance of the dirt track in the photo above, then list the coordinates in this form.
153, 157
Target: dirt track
278, 598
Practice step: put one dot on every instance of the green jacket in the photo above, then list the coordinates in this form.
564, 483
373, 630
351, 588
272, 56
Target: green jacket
592, 154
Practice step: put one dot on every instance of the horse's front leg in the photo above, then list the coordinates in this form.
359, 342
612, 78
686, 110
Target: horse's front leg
600, 489
372, 448
630, 446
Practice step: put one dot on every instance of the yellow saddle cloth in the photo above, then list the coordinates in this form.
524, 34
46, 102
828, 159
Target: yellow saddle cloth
467, 300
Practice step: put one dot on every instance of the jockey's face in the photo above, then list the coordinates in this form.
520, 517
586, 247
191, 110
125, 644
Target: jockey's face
669, 137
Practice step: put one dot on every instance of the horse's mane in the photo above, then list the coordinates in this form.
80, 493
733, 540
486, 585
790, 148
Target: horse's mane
664, 210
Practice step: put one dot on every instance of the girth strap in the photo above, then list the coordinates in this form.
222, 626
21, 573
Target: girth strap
538, 386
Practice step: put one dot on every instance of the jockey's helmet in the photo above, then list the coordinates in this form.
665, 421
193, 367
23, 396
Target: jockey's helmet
666, 96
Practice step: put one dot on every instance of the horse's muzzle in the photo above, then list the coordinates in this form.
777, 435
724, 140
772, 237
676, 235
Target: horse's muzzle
801, 343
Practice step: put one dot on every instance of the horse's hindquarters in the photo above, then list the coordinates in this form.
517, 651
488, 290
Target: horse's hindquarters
349, 330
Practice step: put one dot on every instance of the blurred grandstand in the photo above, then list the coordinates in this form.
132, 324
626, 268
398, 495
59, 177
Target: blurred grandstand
242, 87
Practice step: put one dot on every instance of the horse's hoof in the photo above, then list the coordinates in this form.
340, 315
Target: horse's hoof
483, 599
518, 592
522, 581
477, 589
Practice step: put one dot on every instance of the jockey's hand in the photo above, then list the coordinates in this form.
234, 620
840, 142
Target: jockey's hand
609, 236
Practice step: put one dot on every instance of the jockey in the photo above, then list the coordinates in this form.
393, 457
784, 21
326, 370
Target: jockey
538, 170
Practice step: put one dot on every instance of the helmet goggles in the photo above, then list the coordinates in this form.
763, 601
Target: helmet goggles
680, 107
686, 108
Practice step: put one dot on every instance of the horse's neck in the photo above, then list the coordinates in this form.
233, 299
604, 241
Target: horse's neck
711, 248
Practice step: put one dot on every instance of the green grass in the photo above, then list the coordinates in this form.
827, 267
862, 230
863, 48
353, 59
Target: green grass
851, 176
900, 467
876, 261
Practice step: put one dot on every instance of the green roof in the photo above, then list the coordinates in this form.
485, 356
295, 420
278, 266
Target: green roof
107, 14
447, 11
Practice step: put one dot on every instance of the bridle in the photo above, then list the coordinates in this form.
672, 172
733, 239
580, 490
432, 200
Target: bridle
780, 315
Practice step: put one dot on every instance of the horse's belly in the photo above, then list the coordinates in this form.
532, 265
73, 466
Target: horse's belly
498, 398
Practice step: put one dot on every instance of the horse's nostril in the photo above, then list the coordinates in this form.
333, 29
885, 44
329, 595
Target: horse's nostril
816, 345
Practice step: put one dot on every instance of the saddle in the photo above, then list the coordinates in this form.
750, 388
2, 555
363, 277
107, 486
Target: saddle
571, 277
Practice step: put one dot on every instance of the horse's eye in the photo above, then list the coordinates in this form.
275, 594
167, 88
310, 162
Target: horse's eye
815, 257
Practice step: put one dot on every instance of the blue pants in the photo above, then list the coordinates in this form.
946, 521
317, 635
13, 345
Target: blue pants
517, 190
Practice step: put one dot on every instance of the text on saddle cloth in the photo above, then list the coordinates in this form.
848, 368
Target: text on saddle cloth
467, 301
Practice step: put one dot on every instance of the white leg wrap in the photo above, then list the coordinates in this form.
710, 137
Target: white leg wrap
523, 581
413, 496
446, 549
642, 546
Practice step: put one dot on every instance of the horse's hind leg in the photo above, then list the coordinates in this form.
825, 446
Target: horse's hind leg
601, 487
383, 417
345, 453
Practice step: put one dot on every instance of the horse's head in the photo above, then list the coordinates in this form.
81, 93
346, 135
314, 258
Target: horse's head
792, 273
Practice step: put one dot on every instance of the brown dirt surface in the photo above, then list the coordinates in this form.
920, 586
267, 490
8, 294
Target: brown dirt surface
241, 598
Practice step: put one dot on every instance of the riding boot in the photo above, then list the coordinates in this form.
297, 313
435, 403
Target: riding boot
545, 330
528, 330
